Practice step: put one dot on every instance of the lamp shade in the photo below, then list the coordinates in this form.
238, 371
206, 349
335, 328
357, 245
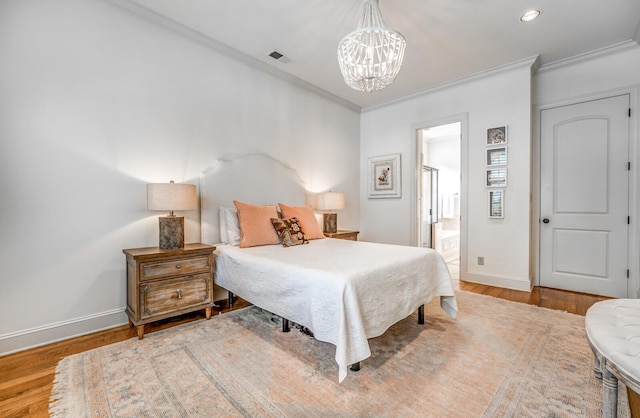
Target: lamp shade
330, 201
171, 196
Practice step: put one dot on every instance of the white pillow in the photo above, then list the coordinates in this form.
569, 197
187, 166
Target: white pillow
233, 227
224, 235
229, 226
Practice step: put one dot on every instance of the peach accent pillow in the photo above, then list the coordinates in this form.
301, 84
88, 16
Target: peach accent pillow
306, 218
255, 224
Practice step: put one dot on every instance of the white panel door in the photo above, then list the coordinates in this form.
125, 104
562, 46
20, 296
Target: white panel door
585, 197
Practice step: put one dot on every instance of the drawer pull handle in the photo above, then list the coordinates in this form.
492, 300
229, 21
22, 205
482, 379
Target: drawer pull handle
179, 292
178, 266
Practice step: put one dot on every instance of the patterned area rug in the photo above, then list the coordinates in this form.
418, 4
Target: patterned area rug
496, 359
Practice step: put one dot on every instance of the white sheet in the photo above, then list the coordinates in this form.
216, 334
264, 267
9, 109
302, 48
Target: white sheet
344, 291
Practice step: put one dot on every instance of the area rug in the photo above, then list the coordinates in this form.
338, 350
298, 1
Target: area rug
497, 359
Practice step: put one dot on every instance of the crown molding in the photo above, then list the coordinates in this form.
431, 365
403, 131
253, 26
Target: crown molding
587, 56
530, 62
149, 15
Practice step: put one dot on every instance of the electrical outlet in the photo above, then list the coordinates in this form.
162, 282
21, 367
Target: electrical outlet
481, 261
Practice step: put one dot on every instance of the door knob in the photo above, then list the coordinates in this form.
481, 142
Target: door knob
545, 220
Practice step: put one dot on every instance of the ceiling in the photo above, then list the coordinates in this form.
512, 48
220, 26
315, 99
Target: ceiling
446, 40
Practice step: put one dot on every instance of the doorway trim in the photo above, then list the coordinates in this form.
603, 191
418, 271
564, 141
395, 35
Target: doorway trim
633, 283
416, 179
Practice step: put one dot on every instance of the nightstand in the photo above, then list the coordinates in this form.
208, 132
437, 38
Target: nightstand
165, 283
343, 234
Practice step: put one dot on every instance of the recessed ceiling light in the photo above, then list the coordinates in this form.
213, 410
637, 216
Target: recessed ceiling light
530, 15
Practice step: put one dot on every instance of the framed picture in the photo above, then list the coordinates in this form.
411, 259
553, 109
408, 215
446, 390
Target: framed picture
497, 136
496, 203
497, 177
497, 156
384, 176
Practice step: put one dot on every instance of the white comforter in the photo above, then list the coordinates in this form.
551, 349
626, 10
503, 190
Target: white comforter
344, 291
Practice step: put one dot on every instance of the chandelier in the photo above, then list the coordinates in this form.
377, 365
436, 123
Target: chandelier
370, 57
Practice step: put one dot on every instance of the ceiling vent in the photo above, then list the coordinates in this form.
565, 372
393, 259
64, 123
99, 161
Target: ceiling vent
281, 58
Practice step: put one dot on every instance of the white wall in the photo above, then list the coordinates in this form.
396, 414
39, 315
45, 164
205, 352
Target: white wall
566, 82
499, 98
605, 73
507, 97
95, 103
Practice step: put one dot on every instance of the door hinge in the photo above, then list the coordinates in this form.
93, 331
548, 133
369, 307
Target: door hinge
629, 166
629, 112
627, 273
628, 220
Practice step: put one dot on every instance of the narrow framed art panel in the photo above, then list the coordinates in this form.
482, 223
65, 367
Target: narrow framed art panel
497, 135
497, 156
496, 177
384, 177
496, 203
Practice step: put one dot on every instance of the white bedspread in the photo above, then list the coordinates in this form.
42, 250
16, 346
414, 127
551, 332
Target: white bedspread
344, 291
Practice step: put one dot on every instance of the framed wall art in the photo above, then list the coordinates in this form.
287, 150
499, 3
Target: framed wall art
497, 135
384, 177
496, 177
497, 156
496, 203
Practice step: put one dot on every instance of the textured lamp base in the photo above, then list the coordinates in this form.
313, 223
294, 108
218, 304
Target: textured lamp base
330, 222
171, 232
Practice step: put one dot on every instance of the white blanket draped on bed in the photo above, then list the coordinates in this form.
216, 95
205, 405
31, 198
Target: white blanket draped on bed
343, 291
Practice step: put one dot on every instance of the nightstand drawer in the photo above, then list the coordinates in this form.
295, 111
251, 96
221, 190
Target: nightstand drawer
174, 267
165, 296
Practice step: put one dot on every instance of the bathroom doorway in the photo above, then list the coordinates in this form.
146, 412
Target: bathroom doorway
440, 148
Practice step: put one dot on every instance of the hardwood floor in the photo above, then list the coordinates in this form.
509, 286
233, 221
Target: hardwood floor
26, 378
560, 300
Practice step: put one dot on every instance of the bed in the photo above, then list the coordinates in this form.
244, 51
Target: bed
345, 292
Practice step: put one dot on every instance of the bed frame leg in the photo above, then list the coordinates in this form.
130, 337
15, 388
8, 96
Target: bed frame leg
355, 367
421, 315
285, 325
230, 296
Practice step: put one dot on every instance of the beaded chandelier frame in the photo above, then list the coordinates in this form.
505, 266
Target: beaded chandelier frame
371, 56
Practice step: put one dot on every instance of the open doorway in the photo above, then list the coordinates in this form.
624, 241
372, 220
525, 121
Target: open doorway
440, 148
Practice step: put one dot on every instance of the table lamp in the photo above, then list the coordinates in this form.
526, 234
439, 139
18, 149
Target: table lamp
170, 197
329, 202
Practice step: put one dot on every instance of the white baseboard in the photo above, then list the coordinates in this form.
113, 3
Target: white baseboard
498, 281
46, 334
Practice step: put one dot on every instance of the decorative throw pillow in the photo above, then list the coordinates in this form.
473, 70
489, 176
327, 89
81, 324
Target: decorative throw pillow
255, 224
306, 218
289, 231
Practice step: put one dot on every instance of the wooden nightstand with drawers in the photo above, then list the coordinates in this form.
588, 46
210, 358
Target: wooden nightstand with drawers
165, 283
343, 234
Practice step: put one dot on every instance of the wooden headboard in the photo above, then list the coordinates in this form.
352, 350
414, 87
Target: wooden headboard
252, 178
